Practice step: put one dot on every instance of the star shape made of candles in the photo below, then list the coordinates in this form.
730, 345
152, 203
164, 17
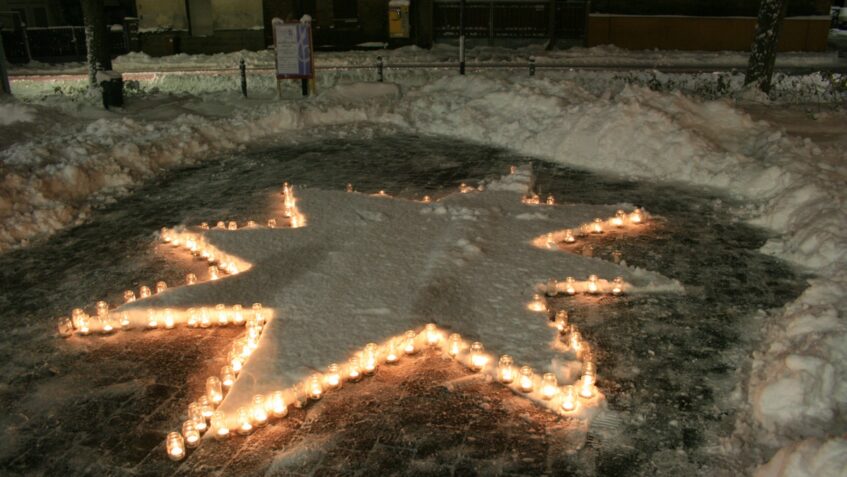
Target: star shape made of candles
369, 268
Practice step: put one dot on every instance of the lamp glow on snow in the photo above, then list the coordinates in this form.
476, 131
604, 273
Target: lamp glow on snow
169, 319
315, 387
409, 342
568, 399
391, 355
175, 446
549, 386
618, 219
506, 369
152, 320
569, 237
206, 409
245, 421
195, 414
214, 390
478, 357
432, 335
637, 216
526, 381
597, 226
227, 377
354, 372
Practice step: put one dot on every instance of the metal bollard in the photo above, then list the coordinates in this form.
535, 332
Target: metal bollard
379, 69
242, 67
532, 66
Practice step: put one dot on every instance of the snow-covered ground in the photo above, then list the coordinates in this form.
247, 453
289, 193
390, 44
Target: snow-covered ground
78, 157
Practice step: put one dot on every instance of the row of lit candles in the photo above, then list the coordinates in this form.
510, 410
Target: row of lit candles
570, 287
597, 227
202, 415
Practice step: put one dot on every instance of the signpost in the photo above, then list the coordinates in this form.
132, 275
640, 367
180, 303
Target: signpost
293, 52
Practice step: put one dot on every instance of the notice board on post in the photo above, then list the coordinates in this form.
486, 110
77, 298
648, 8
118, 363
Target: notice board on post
293, 50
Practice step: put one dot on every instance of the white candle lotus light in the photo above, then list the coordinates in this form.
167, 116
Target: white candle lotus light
369, 359
569, 236
277, 404
271, 223
245, 421
214, 273
195, 414
569, 402
391, 355
190, 279
205, 320
551, 200
222, 315
227, 377
259, 410
190, 434
237, 315
125, 323
204, 225
538, 303
129, 296
354, 372
144, 292
454, 345
231, 225
332, 376
570, 286
506, 369
220, 225
161, 286
152, 320
597, 226
219, 426
409, 343
432, 335
526, 380
549, 386
592, 286
637, 216
561, 321
478, 357
315, 387
617, 286
169, 319
214, 390
551, 242
618, 219
175, 446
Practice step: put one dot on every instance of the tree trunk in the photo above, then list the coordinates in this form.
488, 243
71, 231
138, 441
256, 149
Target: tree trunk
5, 89
96, 39
763, 53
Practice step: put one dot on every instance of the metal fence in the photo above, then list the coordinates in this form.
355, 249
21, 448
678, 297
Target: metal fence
511, 18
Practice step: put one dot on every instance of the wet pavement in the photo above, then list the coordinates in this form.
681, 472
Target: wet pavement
669, 364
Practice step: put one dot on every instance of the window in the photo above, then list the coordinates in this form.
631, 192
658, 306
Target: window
200, 17
345, 9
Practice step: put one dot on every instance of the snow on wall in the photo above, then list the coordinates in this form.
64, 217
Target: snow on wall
797, 387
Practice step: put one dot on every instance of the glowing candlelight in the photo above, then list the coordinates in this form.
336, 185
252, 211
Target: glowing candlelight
205, 320
223, 316
219, 426
506, 369
618, 219
251, 223
214, 273
315, 388
245, 425
271, 223
455, 345
526, 379
513, 169
214, 390
236, 361
237, 315
195, 414
538, 303
568, 399
478, 358
227, 376
597, 226
169, 319
277, 404
124, 320
80, 321
129, 296
354, 372
432, 335
349, 187
258, 314
152, 320
552, 287
409, 344
381, 193
586, 386
175, 446
569, 237
190, 434
369, 358
549, 386
570, 287
190, 279
65, 326
636, 216
551, 242
161, 286
144, 291
427, 199
391, 356
561, 321
259, 410
232, 225
332, 376
204, 225
551, 200
576, 340
592, 284
617, 286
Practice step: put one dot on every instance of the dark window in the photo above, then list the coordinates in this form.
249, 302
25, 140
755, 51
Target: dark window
22, 15
39, 16
345, 9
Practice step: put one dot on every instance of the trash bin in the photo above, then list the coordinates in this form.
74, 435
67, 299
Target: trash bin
398, 19
112, 84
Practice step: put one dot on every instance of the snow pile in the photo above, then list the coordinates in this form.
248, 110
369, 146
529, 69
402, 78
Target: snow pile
808, 458
11, 113
792, 187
